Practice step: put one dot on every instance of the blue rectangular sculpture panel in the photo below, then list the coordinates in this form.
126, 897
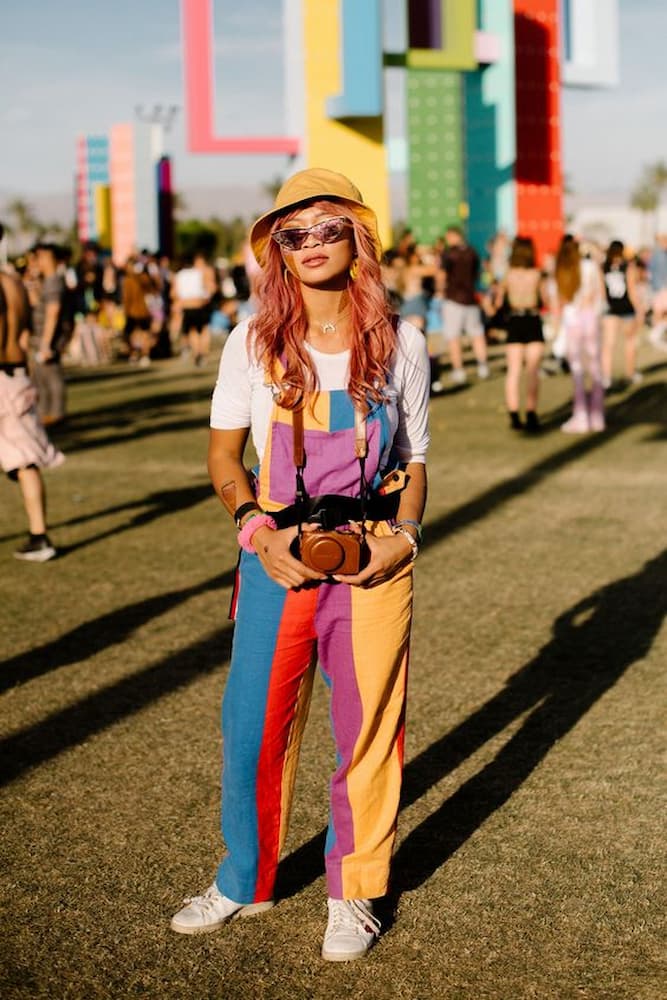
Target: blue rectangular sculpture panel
361, 62
490, 132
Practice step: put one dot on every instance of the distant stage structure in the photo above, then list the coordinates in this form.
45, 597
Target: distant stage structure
124, 190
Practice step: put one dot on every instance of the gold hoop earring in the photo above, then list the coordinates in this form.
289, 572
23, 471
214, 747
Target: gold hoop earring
286, 274
354, 269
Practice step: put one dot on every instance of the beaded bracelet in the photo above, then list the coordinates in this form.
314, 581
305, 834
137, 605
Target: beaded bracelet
414, 544
413, 524
252, 525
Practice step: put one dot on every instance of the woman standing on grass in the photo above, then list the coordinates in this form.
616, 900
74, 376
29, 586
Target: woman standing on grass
137, 286
624, 314
335, 396
525, 339
580, 298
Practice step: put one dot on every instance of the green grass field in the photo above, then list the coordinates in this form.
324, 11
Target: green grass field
531, 851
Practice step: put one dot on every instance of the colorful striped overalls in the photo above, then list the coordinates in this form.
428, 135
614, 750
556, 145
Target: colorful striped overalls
360, 638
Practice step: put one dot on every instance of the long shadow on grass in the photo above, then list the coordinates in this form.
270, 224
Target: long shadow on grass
91, 715
159, 504
104, 632
153, 506
647, 406
593, 644
131, 419
42, 741
128, 431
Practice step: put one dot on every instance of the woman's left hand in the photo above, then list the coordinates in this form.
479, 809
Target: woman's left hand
388, 554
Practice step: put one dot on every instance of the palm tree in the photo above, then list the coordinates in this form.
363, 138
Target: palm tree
24, 225
644, 198
647, 193
659, 174
179, 204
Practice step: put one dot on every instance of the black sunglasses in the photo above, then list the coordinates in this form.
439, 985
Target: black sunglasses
328, 231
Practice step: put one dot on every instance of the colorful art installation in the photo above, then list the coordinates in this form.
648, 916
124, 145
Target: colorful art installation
93, 191
480, 138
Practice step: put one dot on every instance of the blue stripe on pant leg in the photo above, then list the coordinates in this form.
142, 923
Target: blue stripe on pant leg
260, 607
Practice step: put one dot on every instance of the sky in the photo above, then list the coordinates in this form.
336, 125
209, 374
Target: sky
80, 66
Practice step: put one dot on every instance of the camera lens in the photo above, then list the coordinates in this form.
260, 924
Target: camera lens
327, 553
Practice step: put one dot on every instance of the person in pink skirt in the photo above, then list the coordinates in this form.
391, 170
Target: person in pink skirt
24, 446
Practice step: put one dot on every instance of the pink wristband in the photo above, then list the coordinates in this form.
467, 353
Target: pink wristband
246, 533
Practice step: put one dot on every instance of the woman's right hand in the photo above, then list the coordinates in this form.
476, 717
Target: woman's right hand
273, 549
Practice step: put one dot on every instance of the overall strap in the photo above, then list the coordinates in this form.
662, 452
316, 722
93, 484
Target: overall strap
360, 450
360, 440
299, 453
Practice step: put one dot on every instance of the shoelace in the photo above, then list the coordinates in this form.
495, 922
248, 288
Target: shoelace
353, 915
206, 900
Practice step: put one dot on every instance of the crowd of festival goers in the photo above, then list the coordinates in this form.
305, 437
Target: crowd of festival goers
566, 314
582, 312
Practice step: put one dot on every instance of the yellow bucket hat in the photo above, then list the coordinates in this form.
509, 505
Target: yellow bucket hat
309, 185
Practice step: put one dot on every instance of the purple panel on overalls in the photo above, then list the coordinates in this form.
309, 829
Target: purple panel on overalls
319, 475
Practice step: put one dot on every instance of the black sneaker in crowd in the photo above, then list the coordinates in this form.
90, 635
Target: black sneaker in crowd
38, 548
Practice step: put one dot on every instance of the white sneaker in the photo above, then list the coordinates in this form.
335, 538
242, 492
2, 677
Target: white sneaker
211, 910
483, 370
351, 931
657, 337
458, 376
577, 424
636, 378
437, 387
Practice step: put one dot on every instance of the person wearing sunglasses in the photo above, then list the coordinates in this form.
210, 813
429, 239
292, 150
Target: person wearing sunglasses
334, 392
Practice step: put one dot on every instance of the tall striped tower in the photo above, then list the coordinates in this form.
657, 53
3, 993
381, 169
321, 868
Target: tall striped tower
93, 206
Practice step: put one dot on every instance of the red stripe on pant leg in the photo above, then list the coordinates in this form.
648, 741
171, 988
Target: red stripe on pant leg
292, 657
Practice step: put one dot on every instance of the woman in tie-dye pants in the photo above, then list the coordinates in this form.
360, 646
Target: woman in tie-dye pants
323, 355
580, 291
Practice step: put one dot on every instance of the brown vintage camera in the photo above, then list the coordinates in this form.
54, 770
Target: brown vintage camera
333, 551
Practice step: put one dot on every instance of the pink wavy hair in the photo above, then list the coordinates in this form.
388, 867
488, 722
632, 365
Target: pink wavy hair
278, 330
